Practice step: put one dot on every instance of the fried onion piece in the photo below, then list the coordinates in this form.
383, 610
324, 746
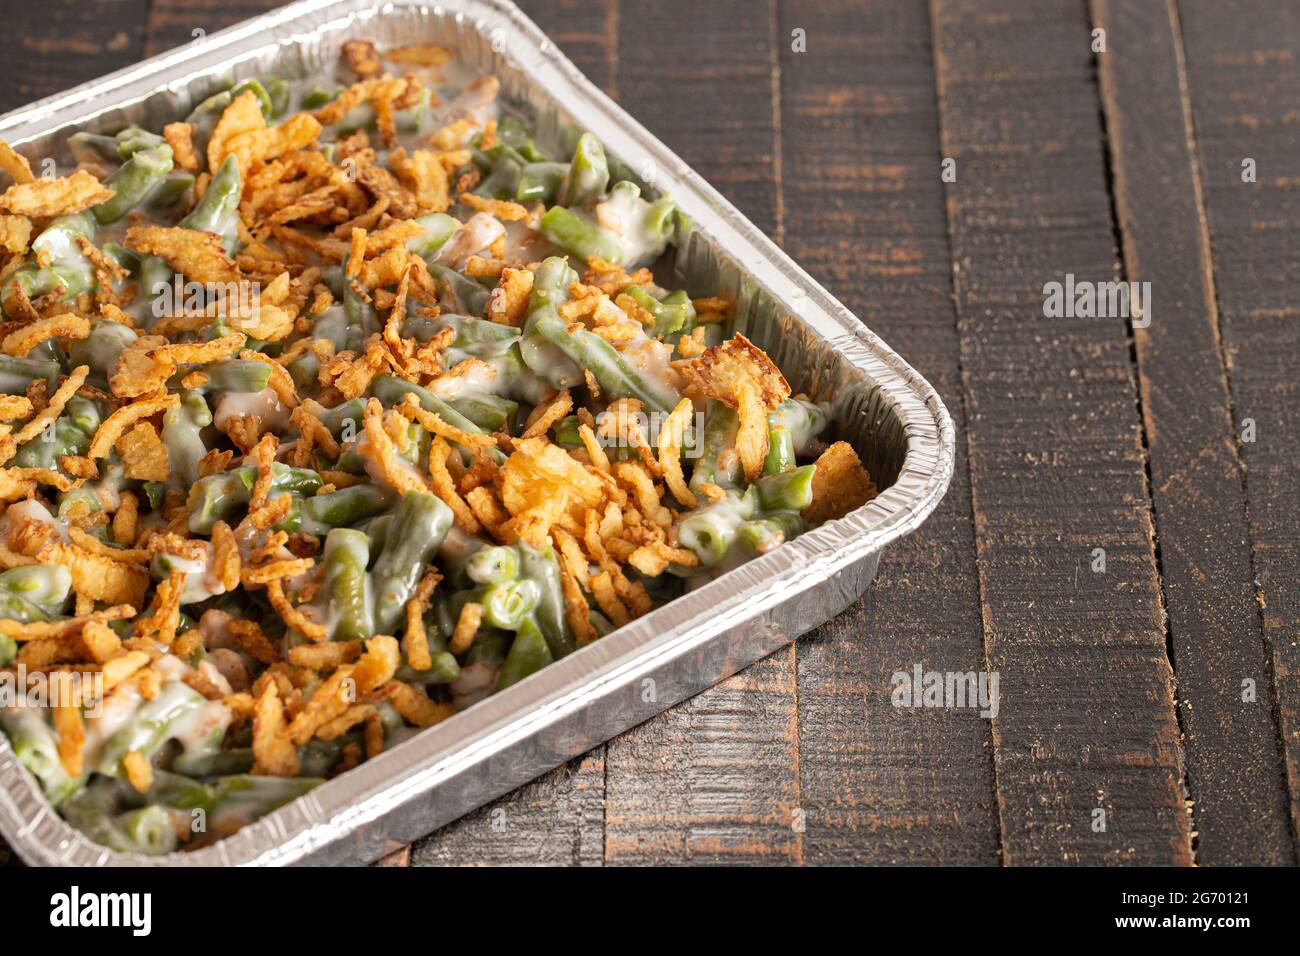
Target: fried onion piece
116, 424
840, 484
72, 738
15, 164
136, 372
139, 771
274, 753
15, 234
65, 325
144, 454
671, 435
196, 255
363, 59
55, 197
752, 434
720, 370
508, 303
467, 625
420, 54
180, 137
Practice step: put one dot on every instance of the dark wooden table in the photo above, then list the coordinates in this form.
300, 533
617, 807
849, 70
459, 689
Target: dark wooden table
1150, 711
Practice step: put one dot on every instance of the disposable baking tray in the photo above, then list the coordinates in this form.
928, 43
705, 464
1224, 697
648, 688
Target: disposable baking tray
890, 414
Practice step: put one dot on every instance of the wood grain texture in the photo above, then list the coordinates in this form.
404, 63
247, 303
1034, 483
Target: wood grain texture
1234, 771
1087, 718
53, 45
864, 209
176, 22
715, 779
559, 818
1244, 82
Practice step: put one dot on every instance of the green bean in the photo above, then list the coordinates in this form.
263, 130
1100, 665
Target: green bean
91, 811
123, 256
346, 555
101, 349
470, 332
36, 747
16, 374
718, 462
505, 605
617, 379
787, 491
154, 723
182, 437
711, 530
218, 210
528, 654
443, 668
504, 179
51, 445
318, 96
133, 140
459, 295
155, 279
490, 647
150, 830
218, 496
8, 646
565, 433
542, 567
34, 592
420, 523
284, 477
337, 419
513, 133
204, 119
344, 507
362, 319
540, 182
761, 535
134, 181
169, 192
271, 104
92, 147
492, 565
172, 789
674, 313
247, 797
231, 375
578, 237
391, 391
550, 290
490, 412
68, 272
780, 446
436, 228
588, 174
318, 758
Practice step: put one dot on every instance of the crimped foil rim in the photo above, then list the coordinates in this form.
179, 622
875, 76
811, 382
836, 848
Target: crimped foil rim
337, 808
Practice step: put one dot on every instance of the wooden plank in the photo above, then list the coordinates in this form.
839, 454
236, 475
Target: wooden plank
1244, 83
1234, 771
559, 818
173, 23
51, 46
864, 212
715, 779
1087, 733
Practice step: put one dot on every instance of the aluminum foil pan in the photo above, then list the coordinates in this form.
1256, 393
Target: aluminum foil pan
890, 414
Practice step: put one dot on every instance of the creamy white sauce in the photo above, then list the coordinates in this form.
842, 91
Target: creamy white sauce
264, 404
